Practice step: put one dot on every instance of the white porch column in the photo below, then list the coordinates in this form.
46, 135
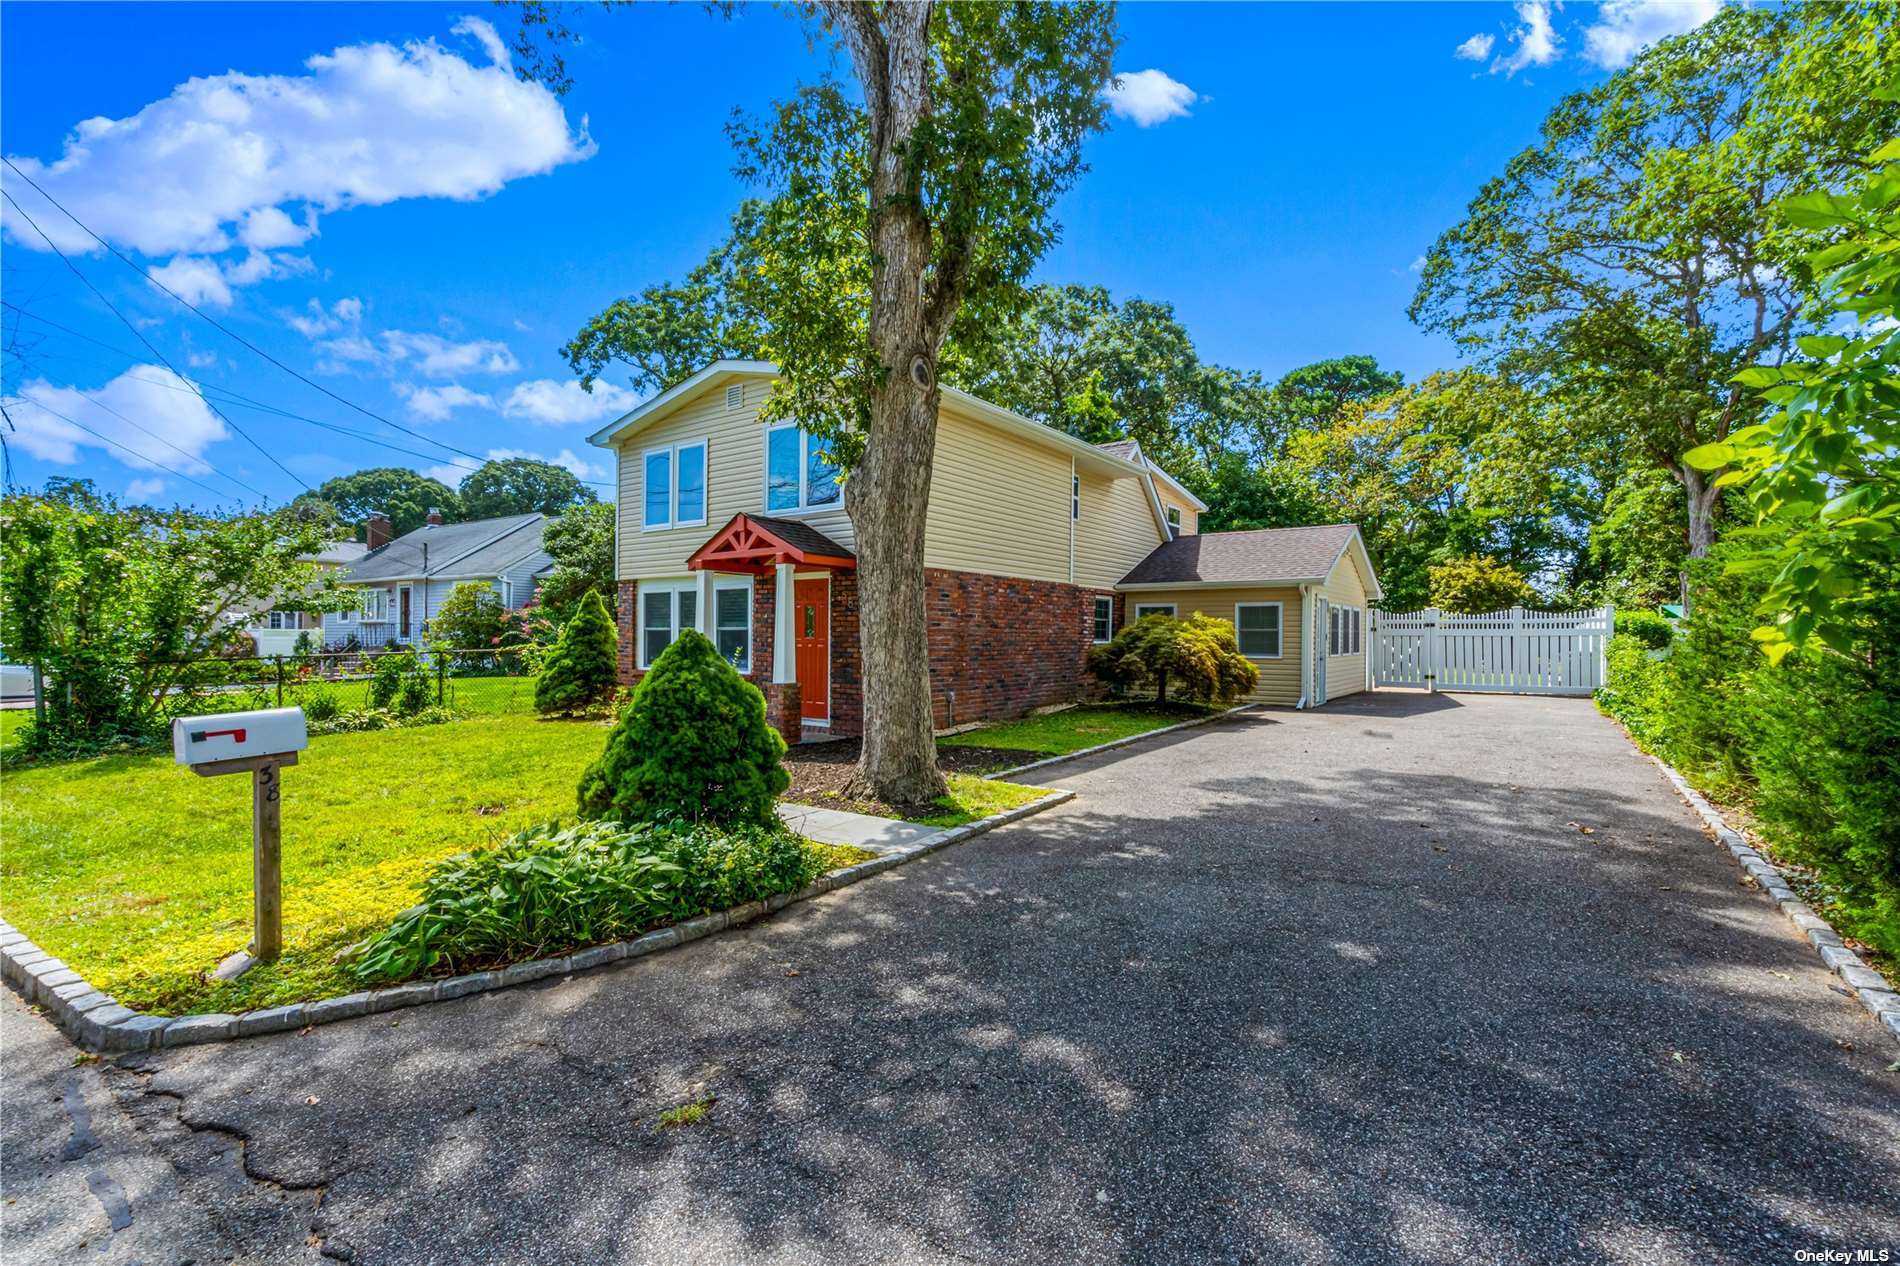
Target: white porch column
704, 606
784, 666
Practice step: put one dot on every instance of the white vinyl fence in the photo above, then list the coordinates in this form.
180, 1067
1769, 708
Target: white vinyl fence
1512, 652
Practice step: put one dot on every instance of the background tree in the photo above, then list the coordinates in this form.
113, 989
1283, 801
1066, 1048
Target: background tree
582, 669
1631, 256
883, 223
581, 542
405, 496
114, 601
1478, 584
520, 485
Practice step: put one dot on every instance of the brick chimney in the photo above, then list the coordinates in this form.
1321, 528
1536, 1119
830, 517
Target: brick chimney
435, 517
377, 530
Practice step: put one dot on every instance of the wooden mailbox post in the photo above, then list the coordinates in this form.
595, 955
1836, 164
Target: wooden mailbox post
260, 744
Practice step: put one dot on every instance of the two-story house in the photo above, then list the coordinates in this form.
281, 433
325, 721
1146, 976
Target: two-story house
1037, 546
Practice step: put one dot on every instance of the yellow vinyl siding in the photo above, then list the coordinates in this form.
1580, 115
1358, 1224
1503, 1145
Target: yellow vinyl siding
998, 504
1279, 678
1116, 531
735, 482
1346, 674
1190, 517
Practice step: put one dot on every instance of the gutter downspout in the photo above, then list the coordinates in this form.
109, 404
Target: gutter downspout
1306, 651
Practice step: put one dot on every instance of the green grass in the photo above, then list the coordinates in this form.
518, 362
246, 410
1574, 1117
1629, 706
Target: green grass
1071, 730
138, 873
686, 1114
971, 798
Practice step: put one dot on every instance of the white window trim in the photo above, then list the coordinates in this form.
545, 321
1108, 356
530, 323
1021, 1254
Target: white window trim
673, 519
1075, 495
1279, 607
1099, 600
726, 583
672, 588
1173, 514
1149, 608
804, 505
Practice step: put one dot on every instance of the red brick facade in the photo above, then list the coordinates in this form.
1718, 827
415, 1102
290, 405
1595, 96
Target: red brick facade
999, 646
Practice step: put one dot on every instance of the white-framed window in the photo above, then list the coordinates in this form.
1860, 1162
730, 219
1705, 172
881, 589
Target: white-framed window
666, 608
1153, 608
799, 472
375, 604
732, 622
1174, 520
673, 485
1257, 629
1075, 496
283, 620
1344, 630
1104, 620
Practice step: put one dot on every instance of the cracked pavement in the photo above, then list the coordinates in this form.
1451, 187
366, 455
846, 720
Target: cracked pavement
1341, 986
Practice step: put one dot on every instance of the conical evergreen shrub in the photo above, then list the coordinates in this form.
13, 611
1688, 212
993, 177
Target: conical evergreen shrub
580, 670
693, 745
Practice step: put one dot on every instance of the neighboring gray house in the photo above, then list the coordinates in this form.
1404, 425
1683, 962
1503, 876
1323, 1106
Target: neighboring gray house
405, 580
276, 632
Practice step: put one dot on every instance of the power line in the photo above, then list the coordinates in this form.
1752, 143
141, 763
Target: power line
178, 474
136, 332
217, 325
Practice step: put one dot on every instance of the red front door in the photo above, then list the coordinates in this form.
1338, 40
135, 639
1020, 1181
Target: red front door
811, 647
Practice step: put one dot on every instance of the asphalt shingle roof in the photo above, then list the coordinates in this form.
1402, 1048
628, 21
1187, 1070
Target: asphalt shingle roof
1119, 448
801, 535
1265, 555
482, 547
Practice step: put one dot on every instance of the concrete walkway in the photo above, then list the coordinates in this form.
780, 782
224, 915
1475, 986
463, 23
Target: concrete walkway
879, 835
1336, 987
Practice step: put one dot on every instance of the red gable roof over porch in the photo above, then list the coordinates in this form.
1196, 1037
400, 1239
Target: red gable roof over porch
754, 543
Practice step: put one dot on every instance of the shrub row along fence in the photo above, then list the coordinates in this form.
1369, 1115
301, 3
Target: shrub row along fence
338, 684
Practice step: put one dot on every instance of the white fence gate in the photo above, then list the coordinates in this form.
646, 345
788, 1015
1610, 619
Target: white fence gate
1513, 652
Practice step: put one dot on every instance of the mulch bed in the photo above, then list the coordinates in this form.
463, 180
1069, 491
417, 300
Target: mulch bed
820, 771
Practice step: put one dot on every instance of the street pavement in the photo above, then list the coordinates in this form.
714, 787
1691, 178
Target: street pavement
1410, 978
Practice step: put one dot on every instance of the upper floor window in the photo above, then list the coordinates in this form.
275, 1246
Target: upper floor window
1075, 496
1174, 520
799, 472
673, 487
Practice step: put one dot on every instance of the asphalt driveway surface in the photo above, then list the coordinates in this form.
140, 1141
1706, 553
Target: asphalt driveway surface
1345, 986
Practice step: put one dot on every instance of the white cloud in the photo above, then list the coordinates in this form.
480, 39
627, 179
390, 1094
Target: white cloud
1625, 28
177, 427
235, 160
144, 489
1148, 97
435, 404
1475, 49
201, 360
1534, 43
314, 322
453, 472
195, 280
430, 355
551, 402
1416, 266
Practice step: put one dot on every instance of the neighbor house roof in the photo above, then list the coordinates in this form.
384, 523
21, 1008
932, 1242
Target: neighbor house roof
479, 548
339, 552
1278, 556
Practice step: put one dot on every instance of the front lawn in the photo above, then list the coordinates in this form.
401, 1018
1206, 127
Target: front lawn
138, 873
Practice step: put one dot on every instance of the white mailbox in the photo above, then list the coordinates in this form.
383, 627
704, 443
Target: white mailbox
237, 735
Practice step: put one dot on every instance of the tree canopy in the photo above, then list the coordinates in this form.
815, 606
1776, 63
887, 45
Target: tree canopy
402, 494
520, 485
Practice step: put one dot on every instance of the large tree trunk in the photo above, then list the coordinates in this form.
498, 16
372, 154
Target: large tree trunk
888, 493
1703, 498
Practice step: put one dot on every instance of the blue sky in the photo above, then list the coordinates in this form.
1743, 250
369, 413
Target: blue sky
365, 193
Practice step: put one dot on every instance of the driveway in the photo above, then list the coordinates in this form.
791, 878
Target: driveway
1345, 986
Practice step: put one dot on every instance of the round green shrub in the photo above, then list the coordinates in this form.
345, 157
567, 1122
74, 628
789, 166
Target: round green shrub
692, 746
581, 670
